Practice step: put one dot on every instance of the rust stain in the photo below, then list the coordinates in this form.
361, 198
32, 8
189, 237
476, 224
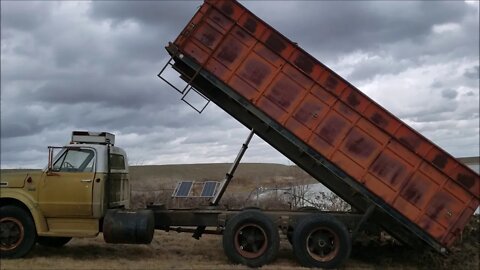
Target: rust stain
427, 226
220, 19
416, 190
227, 7
304, 63
389, 169
217, 19
307, 111
412, 193
359, 145
250, 25
379, 120
412, 142
255, 72
332, 128
240, 33
208, 39
437, 204
331, 83
435, 209
440, 160
302, 115
276, 43
466, 180
283, 93
353, 100
229, 52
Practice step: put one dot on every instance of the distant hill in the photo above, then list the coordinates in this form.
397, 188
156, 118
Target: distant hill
247, 176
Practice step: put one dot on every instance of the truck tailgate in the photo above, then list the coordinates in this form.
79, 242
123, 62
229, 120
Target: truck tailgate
409, 174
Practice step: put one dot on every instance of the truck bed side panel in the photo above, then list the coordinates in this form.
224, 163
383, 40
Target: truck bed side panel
407, 171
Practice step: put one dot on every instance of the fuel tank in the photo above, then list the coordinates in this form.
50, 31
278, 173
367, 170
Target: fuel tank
128, 226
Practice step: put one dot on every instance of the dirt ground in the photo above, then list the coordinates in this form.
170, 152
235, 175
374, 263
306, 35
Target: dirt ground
171, 250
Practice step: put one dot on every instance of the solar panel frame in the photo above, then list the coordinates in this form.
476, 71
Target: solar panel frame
182, 187
209, 189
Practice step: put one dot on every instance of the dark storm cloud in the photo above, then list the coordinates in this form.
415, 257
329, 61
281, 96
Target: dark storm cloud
473, 73
172, 15
25, 17
93, 65
343, 26
340, 27
119, 92
449, 93
20, 125
377, 65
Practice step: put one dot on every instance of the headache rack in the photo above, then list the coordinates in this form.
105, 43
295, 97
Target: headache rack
79, 137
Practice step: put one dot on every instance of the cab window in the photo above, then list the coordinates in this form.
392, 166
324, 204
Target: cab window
75, 160
117, 162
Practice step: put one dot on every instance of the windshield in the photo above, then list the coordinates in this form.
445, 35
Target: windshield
75, 160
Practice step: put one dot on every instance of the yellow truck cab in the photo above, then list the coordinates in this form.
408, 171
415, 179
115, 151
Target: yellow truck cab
83, 181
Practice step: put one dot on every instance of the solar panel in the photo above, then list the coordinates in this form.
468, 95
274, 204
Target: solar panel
183, 188
209, 189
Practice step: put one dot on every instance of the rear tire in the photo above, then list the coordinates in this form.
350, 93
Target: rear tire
17, 232
300, 209
54, 242
321, 241
251, 238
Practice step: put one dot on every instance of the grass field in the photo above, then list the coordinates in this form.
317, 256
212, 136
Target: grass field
247, 176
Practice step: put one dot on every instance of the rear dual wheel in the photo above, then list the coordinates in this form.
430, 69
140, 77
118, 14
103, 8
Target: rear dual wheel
251, 238
321, 241
300, 209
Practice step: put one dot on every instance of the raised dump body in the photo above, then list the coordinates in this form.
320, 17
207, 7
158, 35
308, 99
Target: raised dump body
325, 125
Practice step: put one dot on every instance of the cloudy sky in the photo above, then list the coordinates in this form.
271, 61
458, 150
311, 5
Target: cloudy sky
92, 66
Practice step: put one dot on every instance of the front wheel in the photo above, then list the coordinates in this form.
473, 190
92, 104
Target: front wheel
54, 242
17, 232
321, 241
251, 238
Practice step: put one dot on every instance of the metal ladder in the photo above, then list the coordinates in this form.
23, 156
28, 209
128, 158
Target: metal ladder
188, 89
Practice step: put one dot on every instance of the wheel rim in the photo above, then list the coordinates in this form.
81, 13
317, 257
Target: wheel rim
250, 241
322, 244
11, 233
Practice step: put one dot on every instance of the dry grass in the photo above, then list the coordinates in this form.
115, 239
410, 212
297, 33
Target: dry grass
168, 251
180, 251
155, 184
247, 177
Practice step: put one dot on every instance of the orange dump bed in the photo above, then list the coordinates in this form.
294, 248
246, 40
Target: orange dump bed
407, 171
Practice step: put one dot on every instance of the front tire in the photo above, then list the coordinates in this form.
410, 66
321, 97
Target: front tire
251, 238
321, 241
54, 242
17, 232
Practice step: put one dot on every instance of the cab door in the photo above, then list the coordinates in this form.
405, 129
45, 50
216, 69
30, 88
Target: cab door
67, 186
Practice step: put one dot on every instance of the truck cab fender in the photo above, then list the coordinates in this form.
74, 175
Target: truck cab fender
14, 197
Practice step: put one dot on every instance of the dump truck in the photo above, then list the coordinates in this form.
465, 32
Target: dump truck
395, 179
